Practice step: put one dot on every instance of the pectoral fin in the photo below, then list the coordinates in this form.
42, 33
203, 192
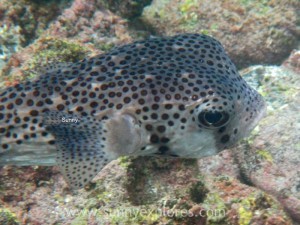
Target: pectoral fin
81, 147
85, 144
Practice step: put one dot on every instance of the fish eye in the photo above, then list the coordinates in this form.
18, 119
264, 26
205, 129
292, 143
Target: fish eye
213, 118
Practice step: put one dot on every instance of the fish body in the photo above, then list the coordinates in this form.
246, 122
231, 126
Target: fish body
177, 96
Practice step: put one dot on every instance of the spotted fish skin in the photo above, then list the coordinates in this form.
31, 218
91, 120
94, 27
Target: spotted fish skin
175, 96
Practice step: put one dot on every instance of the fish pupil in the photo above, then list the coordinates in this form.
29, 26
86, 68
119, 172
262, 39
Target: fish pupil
213, 117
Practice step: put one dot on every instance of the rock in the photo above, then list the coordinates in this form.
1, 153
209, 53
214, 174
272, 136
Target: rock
257, 182
141, 191
270, 158
293, 62
127, 8
253, 32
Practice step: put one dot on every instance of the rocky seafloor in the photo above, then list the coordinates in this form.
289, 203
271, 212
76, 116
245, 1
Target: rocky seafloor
256, 182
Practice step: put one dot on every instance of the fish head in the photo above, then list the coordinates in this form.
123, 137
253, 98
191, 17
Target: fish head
226, 114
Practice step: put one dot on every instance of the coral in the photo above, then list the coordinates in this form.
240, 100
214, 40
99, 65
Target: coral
198, 192
10, 42
31, 16
22, 21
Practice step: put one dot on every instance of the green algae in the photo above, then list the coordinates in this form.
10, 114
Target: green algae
256, 204
59, 50
105, 47
265, 155
215, 208
187, 6
80, 220
261, 7
59, 198
98, 195
124, 161
51, 51
189, 14
222, 178
7, 217
245, 212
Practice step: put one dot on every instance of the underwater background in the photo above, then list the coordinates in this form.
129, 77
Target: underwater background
256, 182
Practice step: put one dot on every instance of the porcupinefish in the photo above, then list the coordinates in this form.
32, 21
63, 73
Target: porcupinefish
177, 96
